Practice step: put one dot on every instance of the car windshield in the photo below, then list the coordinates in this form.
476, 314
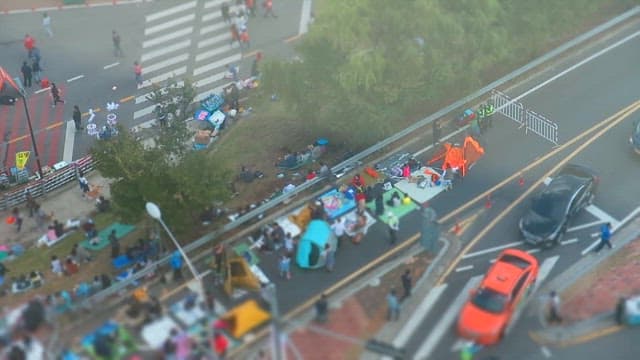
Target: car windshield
550, 205
489, 300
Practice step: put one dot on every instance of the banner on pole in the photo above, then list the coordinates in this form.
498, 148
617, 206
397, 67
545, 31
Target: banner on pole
21, 159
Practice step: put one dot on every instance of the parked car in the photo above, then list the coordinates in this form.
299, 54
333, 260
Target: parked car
546, 221
634, 139
487, 314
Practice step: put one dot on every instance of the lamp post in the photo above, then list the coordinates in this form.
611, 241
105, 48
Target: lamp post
154, 211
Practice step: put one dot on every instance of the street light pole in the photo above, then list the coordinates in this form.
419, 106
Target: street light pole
276, 331
33, 138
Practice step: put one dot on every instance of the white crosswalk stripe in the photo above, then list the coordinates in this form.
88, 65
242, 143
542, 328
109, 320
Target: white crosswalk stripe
189, 40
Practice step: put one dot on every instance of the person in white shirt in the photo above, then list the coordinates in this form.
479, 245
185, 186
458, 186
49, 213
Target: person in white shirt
339, 229
46, 24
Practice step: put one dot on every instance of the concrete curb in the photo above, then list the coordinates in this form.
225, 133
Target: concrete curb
88, 4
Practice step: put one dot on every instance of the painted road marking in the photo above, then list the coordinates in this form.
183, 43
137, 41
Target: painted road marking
168, 75
584, 226
170, 36
170, 11
600, 214
42, 90
446, 320
217, 64
464, 268
111, 65
210, 79
211, 28
69, 140
169, 24
213, 3
75, 78
614, 228
418, 316
145, 97
570, 241
545, 351
165, 50
214, 39
305, 17
545, 269
489, 250
144, 111
166, 63
210, 53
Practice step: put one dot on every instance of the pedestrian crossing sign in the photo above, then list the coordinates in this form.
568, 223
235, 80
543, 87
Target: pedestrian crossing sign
21, 159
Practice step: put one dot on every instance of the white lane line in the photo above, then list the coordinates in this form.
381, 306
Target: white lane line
42, 90
602, 215
75, 78
211, 28
214, 39
464, 268
170, 36
165, 50
169, 24
570, 241
168, 75
111, 65
213, 3
446, 320
584, 226
143, 98
590, 247
211, 53
418, 315
166, 63
144, 111
489, 250
545, 351
69, 140
304, 17
170, 11
217, 64
615, 227
545, 269
211, 79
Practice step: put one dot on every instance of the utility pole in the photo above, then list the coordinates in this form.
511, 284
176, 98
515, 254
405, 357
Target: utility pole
277, 351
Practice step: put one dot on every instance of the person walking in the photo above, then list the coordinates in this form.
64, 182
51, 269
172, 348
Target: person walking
77, 118
115, 38
554, 308
46, 24
285, 267
224, 10
84, 185
27, 74
407, 283
330, 257
393, 306
55, 95
322, 309
605, 237
17, 219
115, 244
137, 70
29, 43
394, 226
36, 70
176, 265
268, 8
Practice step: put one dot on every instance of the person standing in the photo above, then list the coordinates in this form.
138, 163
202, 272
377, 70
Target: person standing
245, 41
251, 7
235, 35
29, 44
55, 95
554, 308
84, 185
394, 226
17, 218
115, 244
339, 230
137, 70
46, 24
285, 267
36, 70
27, 74
224, 10
407, 283
115, 38
268, 8
605, 237
77, 118
393, 306
322, 309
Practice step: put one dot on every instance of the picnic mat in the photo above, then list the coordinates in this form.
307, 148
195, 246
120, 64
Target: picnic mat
399, 211
336, 203
121, 230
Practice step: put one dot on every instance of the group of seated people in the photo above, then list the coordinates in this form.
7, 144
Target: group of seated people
294, 159
22, 283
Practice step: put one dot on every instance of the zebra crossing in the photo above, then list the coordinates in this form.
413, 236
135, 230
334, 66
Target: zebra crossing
189, 40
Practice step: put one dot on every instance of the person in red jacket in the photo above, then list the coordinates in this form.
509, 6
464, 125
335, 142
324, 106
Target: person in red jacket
268, 8
220, 344
29, 44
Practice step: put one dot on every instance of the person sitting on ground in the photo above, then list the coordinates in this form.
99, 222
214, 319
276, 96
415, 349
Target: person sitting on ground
36, 279
58, 227
70, 267
89, 228
102, 204
395, 200
56, 266
80, 254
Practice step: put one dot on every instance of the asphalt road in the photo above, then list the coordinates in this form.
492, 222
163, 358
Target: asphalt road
577, 101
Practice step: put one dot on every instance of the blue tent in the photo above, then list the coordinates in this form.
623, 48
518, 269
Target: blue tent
312, 243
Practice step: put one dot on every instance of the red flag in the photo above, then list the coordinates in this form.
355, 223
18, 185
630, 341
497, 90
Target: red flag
8, 87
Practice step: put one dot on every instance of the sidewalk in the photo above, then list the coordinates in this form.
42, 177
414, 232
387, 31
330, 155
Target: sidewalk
590, 290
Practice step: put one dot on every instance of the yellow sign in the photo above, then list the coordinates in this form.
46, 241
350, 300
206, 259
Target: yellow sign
21, 159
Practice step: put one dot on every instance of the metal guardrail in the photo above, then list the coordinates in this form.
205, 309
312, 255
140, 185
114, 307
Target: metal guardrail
279, 200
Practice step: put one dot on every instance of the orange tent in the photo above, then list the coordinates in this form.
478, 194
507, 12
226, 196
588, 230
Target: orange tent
461, 158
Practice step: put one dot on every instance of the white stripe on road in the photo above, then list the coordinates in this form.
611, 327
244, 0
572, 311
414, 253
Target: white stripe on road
545, 269
305, 17
600, 214
217, 64
169, 24
170, 11
213, 3
212, 28
69, 140
166, 63
144, 111
545, 351
111, 65
42, 90
584, 226
211, 53
168, 75
418, 316
486, 251
446, 320
170, 36
570, 241
165, 50
75, 78
143, 98
464, 268
210, 79
215, 39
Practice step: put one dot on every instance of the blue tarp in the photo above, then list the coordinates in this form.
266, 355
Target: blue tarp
337, 204
312, 243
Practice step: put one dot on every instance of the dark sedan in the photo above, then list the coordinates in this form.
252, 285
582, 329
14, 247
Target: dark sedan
569, 192
634, 140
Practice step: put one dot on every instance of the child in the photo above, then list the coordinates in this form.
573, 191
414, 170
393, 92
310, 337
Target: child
285, 267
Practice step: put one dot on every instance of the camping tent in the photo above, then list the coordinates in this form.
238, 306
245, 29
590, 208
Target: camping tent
244, 318
459, 157
9, 90
312, 242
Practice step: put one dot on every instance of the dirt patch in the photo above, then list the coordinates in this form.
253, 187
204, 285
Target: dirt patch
600, 289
